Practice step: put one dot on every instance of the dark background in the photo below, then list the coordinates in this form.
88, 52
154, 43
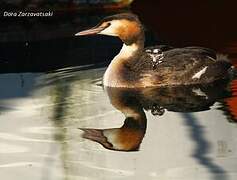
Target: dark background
44, 44
205, 22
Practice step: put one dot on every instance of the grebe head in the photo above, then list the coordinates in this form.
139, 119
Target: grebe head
126, 26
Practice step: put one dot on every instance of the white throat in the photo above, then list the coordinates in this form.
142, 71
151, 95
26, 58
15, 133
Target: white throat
127, 51
112, 74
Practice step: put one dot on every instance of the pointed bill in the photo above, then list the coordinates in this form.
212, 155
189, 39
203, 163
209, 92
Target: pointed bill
91, 31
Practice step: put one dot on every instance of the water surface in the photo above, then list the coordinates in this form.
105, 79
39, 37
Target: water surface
56, 125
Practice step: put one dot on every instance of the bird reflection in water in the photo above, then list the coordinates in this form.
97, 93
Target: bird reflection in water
130, 135
133, 102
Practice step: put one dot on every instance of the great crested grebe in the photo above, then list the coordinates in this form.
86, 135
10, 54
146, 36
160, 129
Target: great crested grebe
136, 67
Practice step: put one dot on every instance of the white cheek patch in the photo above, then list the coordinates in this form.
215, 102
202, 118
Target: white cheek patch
200, 73
112, 29
108, 31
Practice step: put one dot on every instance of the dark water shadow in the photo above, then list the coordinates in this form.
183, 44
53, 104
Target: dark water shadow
202, 148
62, 90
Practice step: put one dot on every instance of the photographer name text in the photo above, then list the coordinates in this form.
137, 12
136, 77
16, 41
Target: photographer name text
27, 14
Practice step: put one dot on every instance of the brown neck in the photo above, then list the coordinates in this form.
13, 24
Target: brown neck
138, 39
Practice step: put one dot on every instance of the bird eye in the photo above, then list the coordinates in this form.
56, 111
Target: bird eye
108, 24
